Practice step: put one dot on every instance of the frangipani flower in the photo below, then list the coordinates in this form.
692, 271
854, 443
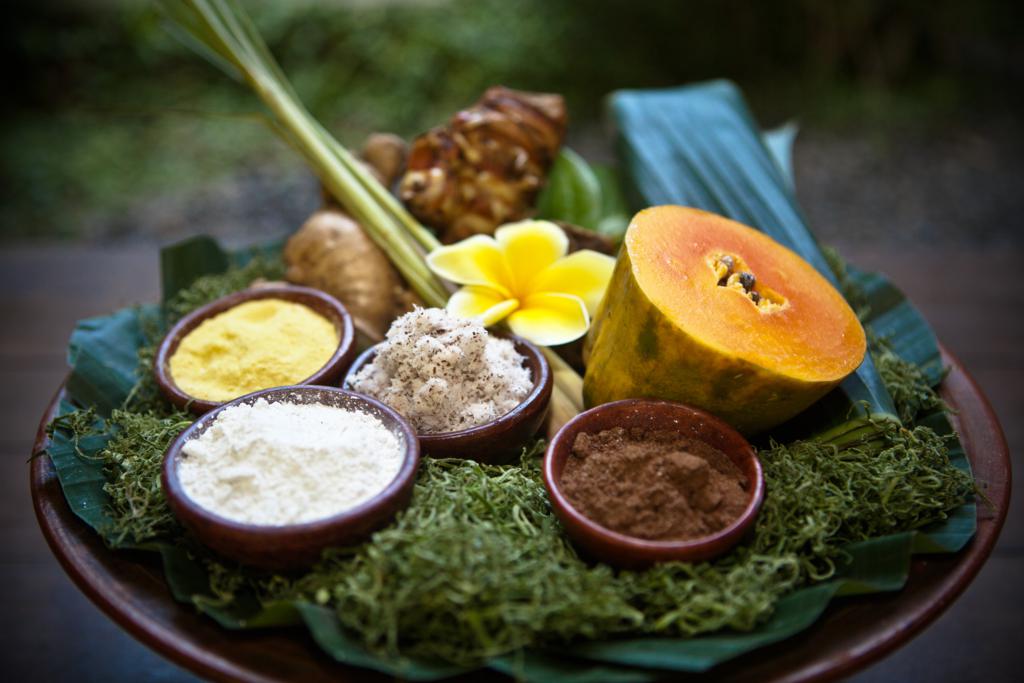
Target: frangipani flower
524, 276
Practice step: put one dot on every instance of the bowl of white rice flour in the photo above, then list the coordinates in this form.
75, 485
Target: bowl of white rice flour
273, 478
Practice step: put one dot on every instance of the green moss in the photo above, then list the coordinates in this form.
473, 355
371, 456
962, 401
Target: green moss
906, 383
134, 459
479, 566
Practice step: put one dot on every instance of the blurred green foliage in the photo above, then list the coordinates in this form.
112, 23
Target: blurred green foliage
109, 109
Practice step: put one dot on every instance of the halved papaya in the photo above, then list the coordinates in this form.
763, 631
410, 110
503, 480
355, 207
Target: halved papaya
707, 311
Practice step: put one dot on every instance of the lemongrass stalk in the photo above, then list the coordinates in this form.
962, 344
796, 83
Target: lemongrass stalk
354, 196
241, 21
567, 395
424, 237
243, 24
560, 410
239, 43
224, 29
862, 430
338, 178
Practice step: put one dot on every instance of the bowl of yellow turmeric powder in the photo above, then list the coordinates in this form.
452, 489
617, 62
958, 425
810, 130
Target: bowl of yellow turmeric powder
260, 338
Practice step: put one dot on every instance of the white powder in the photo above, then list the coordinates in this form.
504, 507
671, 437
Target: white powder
286, 463
443, 373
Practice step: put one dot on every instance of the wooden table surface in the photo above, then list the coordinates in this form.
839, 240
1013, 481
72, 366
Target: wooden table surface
52, 632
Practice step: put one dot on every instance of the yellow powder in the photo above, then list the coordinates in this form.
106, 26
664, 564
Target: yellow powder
256, 345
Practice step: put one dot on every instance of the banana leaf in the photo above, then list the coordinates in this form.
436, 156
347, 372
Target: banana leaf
779, 142
182, 263
892, 317
81, 479
591, 195
699, 146
187, 261
103, 365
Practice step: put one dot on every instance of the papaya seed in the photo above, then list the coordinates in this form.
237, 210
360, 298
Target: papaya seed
747, 280
723, 267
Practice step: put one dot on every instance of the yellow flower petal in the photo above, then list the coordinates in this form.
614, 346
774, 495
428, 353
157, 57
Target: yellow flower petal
483, 303
530, 247
550, 319
584, 273
477, 260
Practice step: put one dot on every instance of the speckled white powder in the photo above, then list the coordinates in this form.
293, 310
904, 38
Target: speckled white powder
443, 373
286, 463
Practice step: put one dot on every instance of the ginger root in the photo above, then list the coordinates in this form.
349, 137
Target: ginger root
384, 154
332, 252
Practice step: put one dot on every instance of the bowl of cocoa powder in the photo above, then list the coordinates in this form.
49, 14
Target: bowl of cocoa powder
641, 481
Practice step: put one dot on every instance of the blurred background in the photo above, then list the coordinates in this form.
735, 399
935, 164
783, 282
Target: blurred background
115, 139
112, 130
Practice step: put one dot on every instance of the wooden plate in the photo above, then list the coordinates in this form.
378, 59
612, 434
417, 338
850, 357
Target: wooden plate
852, 633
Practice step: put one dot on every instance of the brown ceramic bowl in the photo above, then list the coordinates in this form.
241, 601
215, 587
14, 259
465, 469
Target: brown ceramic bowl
628, 551
296, 545
502, 440
321, 302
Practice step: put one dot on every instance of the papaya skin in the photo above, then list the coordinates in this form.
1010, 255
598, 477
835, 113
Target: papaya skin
636, 349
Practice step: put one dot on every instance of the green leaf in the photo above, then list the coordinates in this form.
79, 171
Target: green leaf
877, 565
779, 142
793, 614
184, 262
81, 479
615, 213
189, 582
591, 195
572, 193
893, 318
103, 357
699, 146
325, 628
545, 667
958, 529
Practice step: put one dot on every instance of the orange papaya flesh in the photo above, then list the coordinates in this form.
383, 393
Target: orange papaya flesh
707, 311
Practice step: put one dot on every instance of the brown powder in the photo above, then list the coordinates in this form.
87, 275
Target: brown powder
655, 485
